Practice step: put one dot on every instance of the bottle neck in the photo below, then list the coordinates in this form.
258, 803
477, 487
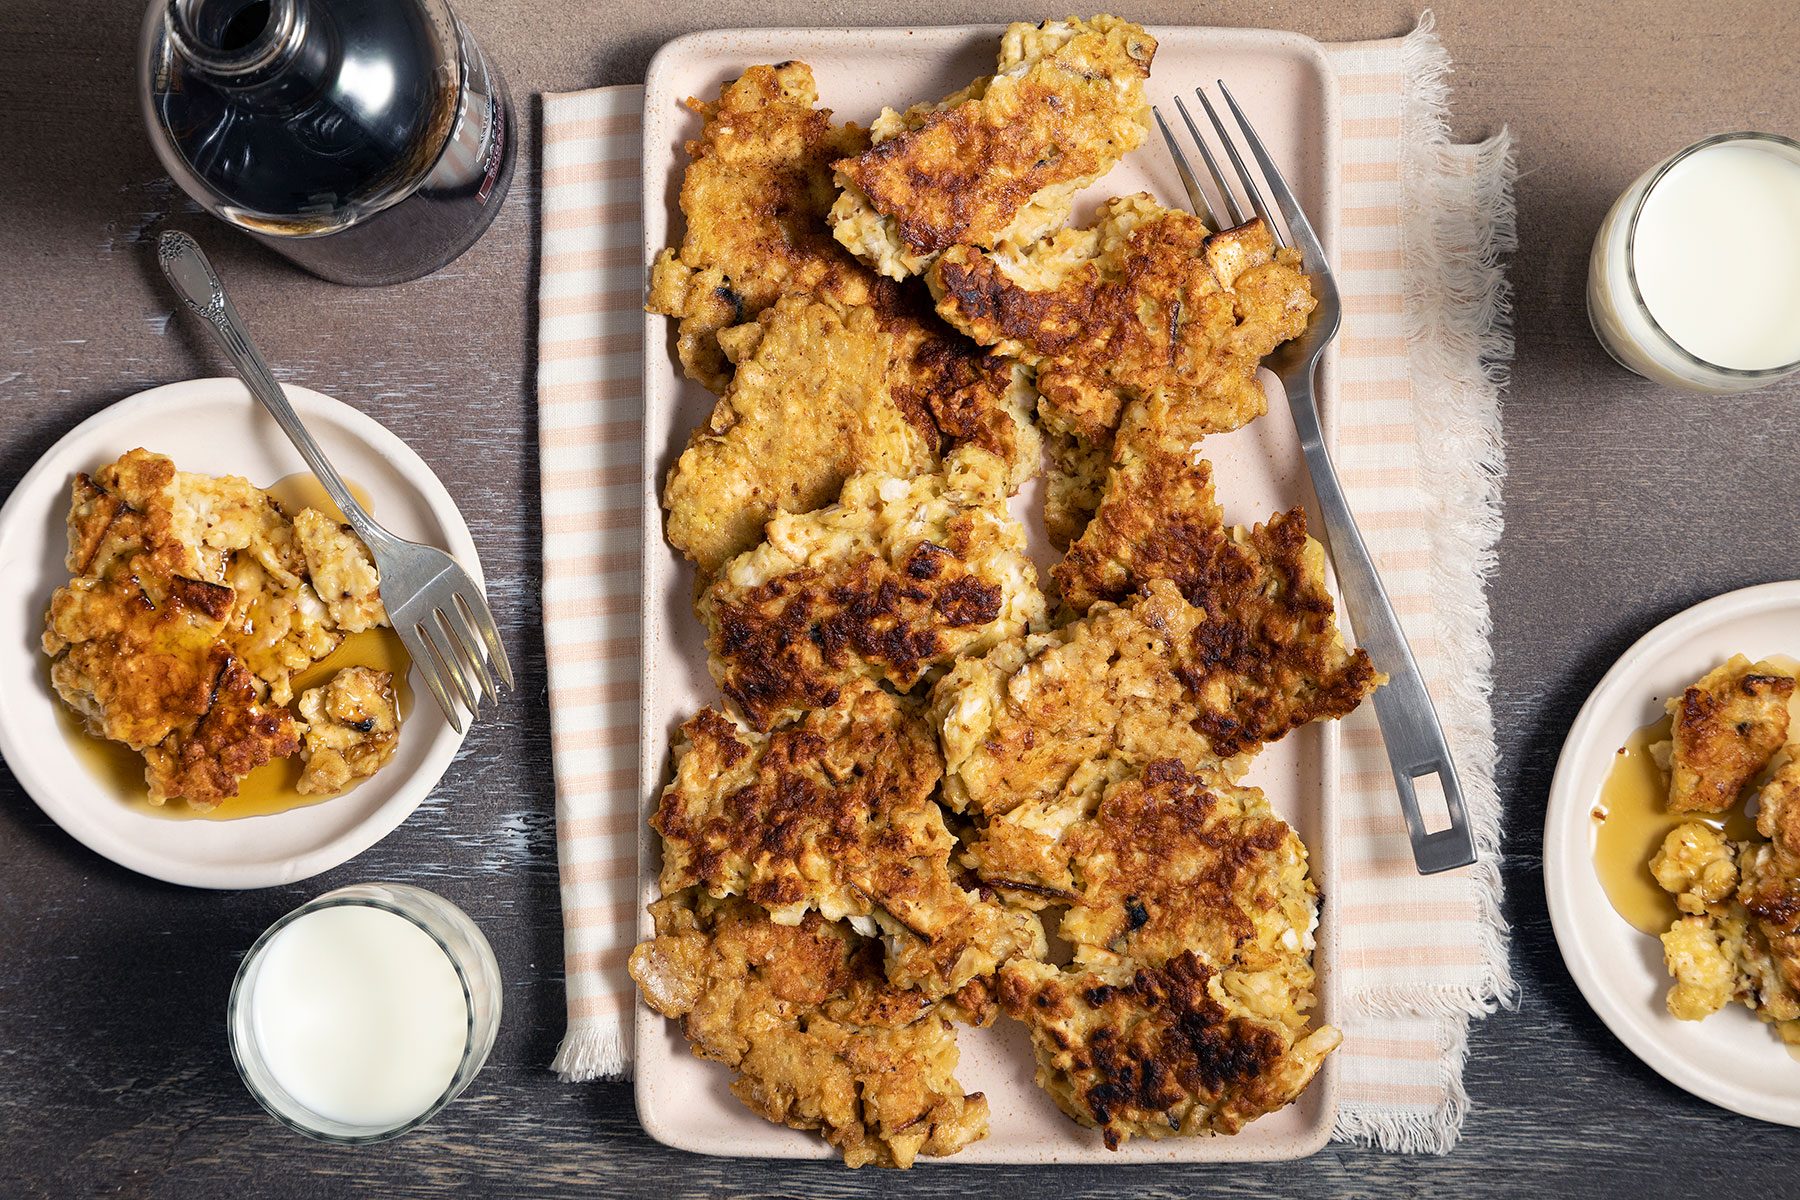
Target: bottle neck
241, 44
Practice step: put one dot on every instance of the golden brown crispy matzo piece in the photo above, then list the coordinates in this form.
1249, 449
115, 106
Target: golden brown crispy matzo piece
1154, 1051
1002, 158
136, 636
1145, 301
817, 1038
811, 404
1051, 714
1155, 677
352, 729
1170, 859
891, 583
1727, 727
755, 197
836, 814
342, 571
1269, 658
205, 763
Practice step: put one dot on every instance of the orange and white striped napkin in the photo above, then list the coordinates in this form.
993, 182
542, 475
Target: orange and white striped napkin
590, 427
1416, 426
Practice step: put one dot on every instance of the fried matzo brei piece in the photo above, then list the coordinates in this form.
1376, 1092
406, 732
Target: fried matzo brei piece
136, 637
892, 582
755, 196
1191, 912
352, 729
836, 814
1158, 860
1144, 305
1738, 938
1046, 715
1703, 949
1000, 160
1144, 300
204, 762
1166, 1051
810, 405
342, 571
1155, 677
817, 1038
1174, 861
1270, 656
1727, 727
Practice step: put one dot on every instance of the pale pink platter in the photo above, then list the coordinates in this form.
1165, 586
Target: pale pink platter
1285, 84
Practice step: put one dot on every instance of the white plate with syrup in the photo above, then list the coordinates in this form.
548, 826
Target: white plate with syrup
1731, 1058
213, 427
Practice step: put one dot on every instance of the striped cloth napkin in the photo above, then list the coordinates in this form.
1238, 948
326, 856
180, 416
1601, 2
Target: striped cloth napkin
1416, 427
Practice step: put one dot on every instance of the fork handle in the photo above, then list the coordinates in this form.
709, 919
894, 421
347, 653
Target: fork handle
198, 284
1409, 722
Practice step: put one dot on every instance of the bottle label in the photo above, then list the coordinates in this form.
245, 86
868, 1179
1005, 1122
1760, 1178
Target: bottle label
496, 154
476, 152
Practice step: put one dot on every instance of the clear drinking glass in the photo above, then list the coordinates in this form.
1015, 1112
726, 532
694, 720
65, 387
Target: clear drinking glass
462, 943
1621, 319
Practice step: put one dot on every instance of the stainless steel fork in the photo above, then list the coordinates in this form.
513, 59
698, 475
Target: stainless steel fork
436, 608
1409, 722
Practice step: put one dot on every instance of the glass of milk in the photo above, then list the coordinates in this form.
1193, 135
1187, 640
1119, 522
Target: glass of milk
359, 1015
1695, 276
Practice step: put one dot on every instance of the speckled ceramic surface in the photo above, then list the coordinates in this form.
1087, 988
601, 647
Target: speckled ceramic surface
1286, 87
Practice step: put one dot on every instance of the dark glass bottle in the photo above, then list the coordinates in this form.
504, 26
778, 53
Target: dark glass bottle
366, 140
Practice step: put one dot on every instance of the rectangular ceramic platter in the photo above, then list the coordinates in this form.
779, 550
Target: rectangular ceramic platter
1286, 86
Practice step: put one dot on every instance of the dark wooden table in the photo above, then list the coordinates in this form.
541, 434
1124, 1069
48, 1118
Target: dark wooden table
1624, 504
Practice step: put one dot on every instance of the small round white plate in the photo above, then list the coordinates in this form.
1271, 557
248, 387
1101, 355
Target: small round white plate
1731, 1059
212, 426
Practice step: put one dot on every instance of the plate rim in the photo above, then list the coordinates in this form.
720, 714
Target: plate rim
88, 829
1564, 852
645, 1022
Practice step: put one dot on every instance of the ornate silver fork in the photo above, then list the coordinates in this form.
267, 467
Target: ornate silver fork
1409, 722
438, 611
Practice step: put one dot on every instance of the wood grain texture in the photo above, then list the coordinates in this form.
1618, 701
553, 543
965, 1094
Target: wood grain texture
1624, 504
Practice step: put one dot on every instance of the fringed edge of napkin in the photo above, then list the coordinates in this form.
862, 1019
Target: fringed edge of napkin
1460, 220
1433, 1131
593, 1051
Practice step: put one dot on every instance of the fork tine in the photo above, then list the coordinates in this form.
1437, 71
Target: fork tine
1300, 230
1197, 201
475, 610
444, 645
1212, 165
1244, 175
468, 646
419, 648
